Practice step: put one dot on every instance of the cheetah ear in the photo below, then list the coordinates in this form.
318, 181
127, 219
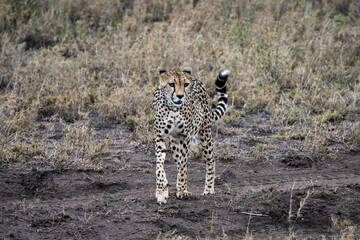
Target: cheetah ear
187, 70
161, 71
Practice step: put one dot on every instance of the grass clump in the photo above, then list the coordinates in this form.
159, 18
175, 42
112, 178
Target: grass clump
344, 228
278, 136
331, 116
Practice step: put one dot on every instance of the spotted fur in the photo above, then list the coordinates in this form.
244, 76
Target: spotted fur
183, 113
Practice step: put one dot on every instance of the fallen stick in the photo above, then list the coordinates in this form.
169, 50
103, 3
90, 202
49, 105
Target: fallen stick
255, 214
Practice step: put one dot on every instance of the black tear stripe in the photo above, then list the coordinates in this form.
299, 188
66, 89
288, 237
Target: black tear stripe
172, 94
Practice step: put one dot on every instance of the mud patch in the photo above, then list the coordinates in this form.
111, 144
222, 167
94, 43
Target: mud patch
298, 161
37, 183
109, 187
225, 177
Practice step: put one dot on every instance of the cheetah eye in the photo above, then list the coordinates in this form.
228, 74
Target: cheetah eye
172, 85
186, 84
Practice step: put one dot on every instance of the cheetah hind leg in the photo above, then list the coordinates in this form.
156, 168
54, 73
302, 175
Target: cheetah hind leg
193, 142
207, 151
210, 178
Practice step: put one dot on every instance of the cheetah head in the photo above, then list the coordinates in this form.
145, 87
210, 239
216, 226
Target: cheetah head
175, 84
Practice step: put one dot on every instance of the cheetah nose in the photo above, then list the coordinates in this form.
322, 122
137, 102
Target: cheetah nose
180, 96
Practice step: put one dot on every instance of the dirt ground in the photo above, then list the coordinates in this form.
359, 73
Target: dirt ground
273, 195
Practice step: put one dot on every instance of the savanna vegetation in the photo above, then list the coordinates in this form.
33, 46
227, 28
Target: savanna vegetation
70, 61
70, 68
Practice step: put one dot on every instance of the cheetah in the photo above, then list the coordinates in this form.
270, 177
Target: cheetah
183, 114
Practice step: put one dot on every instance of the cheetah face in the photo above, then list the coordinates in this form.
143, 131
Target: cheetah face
176, 85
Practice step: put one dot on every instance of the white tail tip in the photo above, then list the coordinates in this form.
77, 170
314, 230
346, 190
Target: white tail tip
224, 73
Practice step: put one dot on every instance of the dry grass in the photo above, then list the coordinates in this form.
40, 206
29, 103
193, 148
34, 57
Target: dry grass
345, 229
297, 60
292, 217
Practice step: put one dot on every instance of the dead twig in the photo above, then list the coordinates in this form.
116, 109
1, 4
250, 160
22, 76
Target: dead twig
290, 207
218, 176
255, 214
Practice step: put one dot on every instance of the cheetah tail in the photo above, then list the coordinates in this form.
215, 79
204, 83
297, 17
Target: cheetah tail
220, 84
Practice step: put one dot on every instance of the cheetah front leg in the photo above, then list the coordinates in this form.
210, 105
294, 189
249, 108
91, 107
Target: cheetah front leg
207, 153
180, 150
162, 192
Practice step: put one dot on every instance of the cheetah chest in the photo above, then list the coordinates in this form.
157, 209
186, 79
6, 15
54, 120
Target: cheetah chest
182, 123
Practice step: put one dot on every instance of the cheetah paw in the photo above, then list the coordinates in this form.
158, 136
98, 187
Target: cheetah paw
183, 194
162, 195
207, 192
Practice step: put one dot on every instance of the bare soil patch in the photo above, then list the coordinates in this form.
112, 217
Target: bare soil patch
302, 196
